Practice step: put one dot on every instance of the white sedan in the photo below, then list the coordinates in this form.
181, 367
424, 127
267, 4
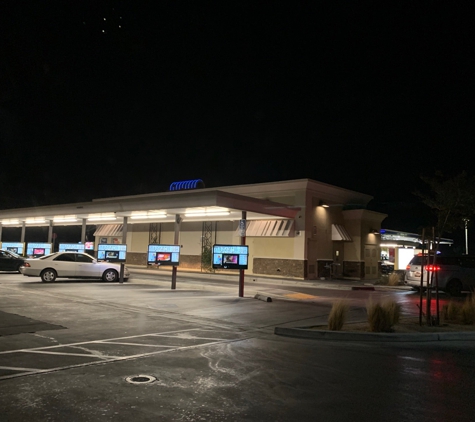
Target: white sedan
71, 265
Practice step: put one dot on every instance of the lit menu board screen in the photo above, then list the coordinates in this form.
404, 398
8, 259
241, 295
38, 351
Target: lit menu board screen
71, 247
163, 255
15, 247
111, 252
230, 257
38, 249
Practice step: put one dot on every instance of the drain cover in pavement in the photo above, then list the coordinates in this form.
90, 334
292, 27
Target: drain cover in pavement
140, 379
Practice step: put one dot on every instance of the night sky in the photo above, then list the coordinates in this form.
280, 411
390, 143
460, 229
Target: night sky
110, 98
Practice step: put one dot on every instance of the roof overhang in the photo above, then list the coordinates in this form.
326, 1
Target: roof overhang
201, 205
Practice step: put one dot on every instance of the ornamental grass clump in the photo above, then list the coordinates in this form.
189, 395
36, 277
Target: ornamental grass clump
467, 311
394, 279
460, 313
451, 311
338, 315
383, 316
394, 311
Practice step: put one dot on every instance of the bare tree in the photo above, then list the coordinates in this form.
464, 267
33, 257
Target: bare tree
452, 200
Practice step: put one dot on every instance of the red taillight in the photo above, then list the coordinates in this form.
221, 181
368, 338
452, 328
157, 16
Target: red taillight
432, 268
25, 264
408, 267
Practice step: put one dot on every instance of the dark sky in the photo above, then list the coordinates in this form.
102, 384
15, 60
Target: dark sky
109, 98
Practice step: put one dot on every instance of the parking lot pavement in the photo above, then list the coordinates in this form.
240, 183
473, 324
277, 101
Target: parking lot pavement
18, 363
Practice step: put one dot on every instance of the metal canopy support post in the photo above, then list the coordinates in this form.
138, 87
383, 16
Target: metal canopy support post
50, 232
466, 220
83, 231
22, 238
178, 220
241, 272
124, 242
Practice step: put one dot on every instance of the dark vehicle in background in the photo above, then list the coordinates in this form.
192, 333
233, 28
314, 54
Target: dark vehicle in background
10, 261
387, 267
454, 273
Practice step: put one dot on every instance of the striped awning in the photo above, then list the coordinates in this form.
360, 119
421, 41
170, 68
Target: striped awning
108, 230
269, 228
339, 233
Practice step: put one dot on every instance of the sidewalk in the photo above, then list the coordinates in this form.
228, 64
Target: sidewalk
249, 279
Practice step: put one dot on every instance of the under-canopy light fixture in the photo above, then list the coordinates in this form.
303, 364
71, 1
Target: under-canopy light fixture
148, 214
10, 222
323, 204
65, 219
207, 212
102, 217
36, 220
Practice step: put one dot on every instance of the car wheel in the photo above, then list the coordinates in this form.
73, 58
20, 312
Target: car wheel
48, 276
454, 288
110, 275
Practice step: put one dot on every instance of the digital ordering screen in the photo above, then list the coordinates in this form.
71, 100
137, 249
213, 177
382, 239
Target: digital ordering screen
163, 255
230, 257
15, 247
71, 247
38, 249
112, 253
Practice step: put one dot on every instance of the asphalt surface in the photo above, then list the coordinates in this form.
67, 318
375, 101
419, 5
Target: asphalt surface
104, 351
199, 281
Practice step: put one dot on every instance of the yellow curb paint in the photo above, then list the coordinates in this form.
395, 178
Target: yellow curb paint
300, 296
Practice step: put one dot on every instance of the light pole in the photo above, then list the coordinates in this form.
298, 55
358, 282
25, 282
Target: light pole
466, 220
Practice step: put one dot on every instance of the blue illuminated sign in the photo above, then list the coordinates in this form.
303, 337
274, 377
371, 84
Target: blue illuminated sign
187, 184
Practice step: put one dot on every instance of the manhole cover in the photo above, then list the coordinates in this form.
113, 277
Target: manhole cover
140, 379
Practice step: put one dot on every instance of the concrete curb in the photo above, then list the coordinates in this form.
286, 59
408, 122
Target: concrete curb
372, 337
263, 297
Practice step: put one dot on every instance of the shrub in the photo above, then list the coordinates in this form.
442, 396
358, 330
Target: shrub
338, 314
382, 317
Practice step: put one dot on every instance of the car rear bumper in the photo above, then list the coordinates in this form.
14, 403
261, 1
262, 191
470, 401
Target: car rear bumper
29, 272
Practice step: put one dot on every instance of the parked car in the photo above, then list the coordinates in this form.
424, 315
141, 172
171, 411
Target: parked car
454, 273
10, 261
71, 265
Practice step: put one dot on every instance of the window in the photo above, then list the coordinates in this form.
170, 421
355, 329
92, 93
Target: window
69, 257
83, 258
468, 262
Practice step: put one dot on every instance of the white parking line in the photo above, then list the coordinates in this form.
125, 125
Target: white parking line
44, 352
178, 335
